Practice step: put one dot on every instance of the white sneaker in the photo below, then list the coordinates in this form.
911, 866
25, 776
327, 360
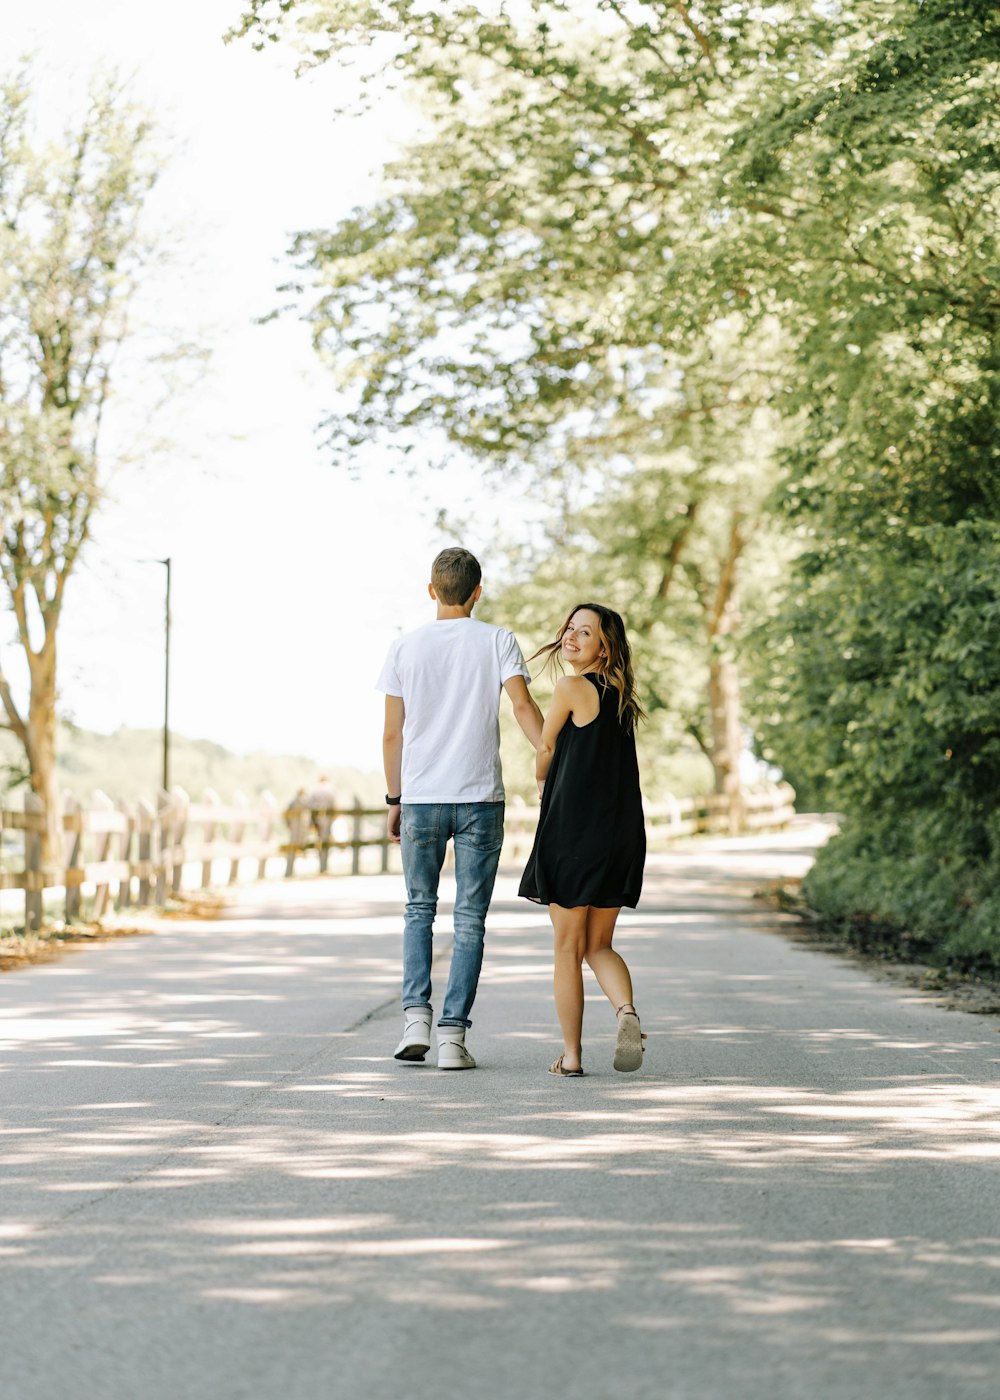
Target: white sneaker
416, 1034
452, 1053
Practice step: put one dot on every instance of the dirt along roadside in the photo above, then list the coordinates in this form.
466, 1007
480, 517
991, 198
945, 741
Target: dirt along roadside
882, 957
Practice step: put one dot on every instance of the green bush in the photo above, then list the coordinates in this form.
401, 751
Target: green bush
892, 699
902, 888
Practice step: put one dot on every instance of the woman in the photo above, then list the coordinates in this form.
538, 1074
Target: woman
590, 845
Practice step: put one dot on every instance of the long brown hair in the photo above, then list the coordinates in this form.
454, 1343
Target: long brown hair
614, 668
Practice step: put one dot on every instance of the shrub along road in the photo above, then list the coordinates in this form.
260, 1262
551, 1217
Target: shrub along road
215, 1182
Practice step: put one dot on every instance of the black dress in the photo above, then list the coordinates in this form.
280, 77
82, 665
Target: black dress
590, 845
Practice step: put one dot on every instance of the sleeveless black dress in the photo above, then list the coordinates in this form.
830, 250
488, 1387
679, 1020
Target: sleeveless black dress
590, 845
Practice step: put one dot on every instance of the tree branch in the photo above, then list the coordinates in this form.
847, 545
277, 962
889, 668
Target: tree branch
16, 725
21, 613
700, 36
697, 585
634, 29
727, 578
634, 132
676, 549
692, 728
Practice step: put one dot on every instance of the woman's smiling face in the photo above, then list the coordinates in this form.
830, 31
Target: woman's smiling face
581, 642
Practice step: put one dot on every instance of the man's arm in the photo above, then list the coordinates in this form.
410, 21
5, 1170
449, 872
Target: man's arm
526, 712
392, 758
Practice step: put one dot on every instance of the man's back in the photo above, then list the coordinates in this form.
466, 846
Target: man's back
449, 674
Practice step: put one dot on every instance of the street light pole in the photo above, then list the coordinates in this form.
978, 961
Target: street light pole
166, 682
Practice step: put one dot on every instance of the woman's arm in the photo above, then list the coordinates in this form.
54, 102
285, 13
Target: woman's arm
566, 698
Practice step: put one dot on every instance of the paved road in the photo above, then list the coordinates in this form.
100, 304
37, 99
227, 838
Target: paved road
215, 1185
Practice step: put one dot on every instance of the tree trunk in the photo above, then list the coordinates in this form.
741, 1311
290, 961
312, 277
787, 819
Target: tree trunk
727, 736
41, 745
724, 680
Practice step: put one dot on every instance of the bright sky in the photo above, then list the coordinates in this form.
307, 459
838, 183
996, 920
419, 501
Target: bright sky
289, 579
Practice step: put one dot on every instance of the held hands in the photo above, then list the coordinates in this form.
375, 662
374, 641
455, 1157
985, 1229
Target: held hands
392, 823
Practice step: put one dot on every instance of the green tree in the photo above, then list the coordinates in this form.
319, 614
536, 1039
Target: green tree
680, 542
606, 184
517, 293
683, 549
71, 252
882, 184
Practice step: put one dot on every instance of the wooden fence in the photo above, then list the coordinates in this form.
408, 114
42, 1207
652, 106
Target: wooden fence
133, 855
766, 808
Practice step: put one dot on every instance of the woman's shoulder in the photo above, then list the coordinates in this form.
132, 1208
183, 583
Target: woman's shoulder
570, 685
573, 690
576, 696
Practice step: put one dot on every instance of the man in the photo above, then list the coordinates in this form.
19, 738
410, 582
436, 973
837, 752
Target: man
441, 747
321, 802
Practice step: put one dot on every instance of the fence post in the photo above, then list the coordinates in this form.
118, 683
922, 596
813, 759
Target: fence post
356, 837
178, 837
125, 856
265, 832
73, 849
208, 835
145, 822
102, 803
165, 854
236, 834
33, 806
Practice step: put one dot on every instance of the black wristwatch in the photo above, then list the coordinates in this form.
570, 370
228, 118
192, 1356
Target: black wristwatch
393, 801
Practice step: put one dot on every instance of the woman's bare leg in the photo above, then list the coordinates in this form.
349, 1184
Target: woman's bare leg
569, 927
608, 967
611, 971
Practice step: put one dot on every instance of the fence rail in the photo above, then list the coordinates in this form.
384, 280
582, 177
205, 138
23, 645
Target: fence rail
132, 855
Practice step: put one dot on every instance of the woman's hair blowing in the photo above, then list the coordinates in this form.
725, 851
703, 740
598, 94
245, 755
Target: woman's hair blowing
614, 667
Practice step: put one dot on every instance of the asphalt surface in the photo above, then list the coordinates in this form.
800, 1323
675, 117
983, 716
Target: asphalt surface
215, 1183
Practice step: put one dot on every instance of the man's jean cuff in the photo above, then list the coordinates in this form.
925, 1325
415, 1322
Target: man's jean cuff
423, 1006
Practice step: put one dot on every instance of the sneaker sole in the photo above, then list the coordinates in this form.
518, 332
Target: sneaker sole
628, 1047
412, 1053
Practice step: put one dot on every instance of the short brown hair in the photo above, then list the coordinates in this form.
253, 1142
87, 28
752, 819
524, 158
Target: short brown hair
455, 575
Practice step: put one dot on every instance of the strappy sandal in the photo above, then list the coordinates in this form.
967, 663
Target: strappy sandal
629, 1048
557, 1068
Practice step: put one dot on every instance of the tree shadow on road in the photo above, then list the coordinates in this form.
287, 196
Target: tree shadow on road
216, 1181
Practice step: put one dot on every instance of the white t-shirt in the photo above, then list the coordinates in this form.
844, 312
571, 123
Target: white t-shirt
450, 674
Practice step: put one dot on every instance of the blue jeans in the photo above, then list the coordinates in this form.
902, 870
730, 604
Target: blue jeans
425, 829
